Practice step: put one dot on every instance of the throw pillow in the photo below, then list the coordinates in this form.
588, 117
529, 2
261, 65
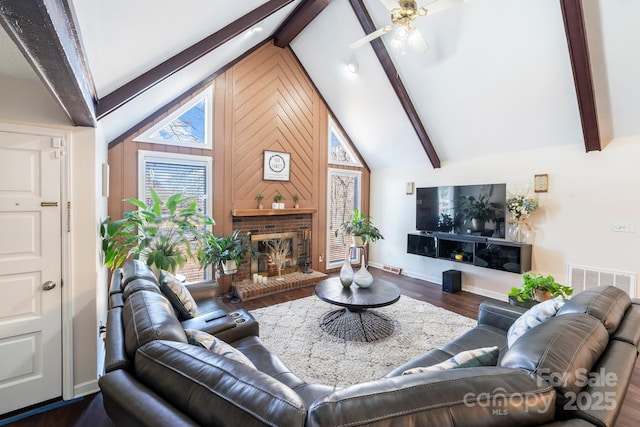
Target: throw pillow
533, 317
215, 345
486, 356
179, 295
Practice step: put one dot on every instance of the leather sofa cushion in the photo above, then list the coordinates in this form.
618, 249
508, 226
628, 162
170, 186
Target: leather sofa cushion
460, 397
628, 331
149, 316
560, 350
213, 389
606, 303
136, 285
137, 269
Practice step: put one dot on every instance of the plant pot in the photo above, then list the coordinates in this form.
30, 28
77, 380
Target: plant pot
296, 206
260, 206
541, 295
275, 205
357, 241
477, 224
230, 266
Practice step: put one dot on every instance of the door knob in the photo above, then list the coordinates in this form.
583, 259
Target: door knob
48, 285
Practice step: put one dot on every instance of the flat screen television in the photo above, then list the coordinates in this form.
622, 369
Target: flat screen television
450, 209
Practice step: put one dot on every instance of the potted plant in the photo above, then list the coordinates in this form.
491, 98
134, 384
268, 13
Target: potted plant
360, 227
277, 201
163, 234
478, 211
259, 198
296, 199
227, 251
537, 288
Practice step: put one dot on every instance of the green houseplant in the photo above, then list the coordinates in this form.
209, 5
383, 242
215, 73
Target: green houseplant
538, 287
226, 251
359, 226
259, 198
479, 211
163, 234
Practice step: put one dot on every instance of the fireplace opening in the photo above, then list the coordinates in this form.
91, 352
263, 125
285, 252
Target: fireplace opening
265, 264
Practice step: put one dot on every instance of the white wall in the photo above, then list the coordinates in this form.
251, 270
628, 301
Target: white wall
587, 192
25, 101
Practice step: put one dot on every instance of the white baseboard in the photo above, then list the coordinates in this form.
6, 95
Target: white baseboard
438, 281
85, 388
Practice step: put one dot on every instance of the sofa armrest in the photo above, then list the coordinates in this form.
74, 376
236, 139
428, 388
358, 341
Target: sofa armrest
204, 289
470, 396
115, 286
129, 402
115, 352
228, 326
499, 314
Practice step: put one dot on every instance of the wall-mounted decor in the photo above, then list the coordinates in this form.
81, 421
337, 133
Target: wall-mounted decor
276, 166
541, 183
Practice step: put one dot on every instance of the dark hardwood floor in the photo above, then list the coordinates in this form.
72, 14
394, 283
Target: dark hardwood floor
89, 411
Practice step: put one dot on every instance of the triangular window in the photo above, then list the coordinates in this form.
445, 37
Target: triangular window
188, 126
340, 153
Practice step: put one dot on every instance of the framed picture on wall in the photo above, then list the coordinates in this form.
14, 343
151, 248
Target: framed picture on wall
276, 166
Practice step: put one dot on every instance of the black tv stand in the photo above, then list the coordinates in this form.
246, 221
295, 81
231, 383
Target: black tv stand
497, 254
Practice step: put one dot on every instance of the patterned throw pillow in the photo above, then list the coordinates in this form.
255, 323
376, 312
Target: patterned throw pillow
486, 356
179, 296
533, 317
215, 345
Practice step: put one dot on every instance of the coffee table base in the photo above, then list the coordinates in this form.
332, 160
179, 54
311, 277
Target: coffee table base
363, 325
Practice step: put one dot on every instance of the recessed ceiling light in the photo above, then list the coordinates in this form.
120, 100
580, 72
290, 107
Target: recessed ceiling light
352, 66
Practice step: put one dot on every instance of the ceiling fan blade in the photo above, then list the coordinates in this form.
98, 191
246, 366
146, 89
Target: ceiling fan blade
440, 5
366, 39
417, 41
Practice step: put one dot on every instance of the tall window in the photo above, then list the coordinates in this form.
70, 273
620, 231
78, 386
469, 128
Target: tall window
188, 126
340, 153
344, 196
170, 173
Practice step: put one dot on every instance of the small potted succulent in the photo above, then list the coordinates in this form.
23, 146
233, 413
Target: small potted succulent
296, 199
259, 198
278, 201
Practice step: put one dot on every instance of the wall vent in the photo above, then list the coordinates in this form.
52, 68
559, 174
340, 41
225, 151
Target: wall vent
581, 278
391, 269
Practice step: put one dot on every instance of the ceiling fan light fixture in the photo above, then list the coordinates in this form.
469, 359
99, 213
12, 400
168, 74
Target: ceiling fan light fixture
352, 66
402, 33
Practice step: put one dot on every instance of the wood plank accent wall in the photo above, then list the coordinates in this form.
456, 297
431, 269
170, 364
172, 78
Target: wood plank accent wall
264, 102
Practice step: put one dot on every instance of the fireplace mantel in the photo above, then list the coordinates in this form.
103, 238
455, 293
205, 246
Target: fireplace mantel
272, 212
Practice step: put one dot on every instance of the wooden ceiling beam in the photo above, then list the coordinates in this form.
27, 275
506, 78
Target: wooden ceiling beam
144, 82
45, 33
392, 74
575, 30
298, 21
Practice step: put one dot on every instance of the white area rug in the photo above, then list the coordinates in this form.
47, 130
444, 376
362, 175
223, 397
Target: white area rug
292, 331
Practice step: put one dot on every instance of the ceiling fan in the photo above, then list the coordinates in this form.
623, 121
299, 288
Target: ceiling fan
403, 13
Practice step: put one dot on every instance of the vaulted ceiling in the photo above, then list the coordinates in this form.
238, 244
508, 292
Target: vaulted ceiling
499, 76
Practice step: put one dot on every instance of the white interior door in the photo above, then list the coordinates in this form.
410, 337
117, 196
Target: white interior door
30, 270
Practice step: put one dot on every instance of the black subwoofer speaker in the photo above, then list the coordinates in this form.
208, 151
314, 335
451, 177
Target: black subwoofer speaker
451, 281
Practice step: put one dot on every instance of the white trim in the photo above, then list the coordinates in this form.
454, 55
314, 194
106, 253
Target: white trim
343, 141
331, 172
66, 302
86, 388
207, 96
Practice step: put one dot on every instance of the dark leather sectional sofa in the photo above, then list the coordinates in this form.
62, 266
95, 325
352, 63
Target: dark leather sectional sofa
572, 370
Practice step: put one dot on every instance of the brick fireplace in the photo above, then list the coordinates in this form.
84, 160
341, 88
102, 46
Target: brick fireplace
296, 227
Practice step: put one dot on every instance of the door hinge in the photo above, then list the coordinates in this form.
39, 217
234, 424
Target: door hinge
69, 217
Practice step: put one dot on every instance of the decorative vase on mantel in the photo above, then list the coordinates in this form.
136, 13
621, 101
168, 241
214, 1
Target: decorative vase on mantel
362, 277
346, 273
519, 231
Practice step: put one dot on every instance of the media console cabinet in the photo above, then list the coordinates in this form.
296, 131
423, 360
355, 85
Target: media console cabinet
487, 252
